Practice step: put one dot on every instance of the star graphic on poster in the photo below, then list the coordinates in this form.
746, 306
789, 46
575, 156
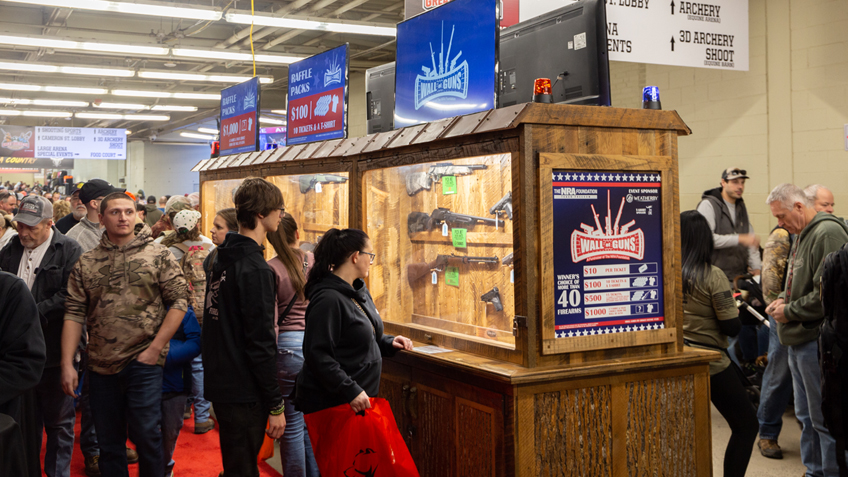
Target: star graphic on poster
597, 177
582, 177
603, 177
640, 178
570, 333
567, 176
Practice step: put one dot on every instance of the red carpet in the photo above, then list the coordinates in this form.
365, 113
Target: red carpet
196, 455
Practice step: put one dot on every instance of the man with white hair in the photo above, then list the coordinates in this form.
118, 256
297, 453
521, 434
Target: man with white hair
821, 196
799, 314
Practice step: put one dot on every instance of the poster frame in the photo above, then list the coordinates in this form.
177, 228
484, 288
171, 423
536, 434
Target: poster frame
582, 162
345, 115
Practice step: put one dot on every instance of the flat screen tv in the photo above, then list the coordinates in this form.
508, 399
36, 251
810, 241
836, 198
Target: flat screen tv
446, 62
380, 96
567, 45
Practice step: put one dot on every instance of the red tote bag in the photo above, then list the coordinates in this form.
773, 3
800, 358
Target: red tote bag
347, 444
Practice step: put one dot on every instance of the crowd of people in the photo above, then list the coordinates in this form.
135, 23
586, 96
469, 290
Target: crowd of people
719, 247
108, 301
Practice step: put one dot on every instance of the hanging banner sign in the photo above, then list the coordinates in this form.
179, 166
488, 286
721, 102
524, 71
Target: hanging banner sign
81, 143
317, 105
608, 269
702, 35
240, 117
17, 141
35, 163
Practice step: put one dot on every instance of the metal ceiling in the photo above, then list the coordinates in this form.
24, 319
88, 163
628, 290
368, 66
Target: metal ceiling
20, 19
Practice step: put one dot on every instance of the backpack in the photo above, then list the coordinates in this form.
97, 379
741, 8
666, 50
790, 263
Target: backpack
192, 265
833, 344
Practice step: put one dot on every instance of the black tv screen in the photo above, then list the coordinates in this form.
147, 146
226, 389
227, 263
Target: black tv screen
568, 46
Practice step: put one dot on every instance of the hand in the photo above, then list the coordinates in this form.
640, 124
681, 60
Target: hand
401, 342
360, 403
778, 315
276, 426
755, 272
773, 305
70, 380
749, 240
148, 356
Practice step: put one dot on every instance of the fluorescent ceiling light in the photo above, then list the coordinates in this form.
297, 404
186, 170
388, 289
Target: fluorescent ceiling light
197, 136
172, 75
278, 111
82, 45
234, 55
166, 94
208, 131
45, 102
298, 24
271, 121
10, 112
193, 12
165, 107
147, 117
74, 70
74, 90
48, 114
131, 117
120, 106
127, 131
99, 116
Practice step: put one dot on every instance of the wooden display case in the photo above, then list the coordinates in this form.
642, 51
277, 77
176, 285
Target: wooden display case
490, 392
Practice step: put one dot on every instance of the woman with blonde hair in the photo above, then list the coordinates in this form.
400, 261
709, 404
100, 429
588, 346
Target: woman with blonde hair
8, 229
61, 208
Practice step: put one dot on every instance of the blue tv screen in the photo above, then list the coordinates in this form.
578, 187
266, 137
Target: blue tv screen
446, 62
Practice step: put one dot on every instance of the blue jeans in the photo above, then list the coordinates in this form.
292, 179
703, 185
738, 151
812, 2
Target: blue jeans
776, 388
173, 407
129, 400
55, 411
295, 447
88, 437
818, 448
201, 405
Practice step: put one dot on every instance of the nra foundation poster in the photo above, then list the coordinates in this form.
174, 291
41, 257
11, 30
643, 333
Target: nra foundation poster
608, 258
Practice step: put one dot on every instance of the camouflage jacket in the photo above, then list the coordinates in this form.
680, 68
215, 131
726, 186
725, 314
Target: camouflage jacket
775, 255
122, 294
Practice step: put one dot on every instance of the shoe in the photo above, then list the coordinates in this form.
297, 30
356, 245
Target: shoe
204, 427
132, 456
187, 413
770, 449
92, 466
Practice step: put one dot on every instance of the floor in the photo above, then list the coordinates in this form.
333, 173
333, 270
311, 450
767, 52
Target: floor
790, 438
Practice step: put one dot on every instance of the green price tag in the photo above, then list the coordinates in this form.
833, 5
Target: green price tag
452, 276
459, 236
448, 185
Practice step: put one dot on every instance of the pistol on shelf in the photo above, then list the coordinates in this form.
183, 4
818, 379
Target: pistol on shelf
493, 296
503, 205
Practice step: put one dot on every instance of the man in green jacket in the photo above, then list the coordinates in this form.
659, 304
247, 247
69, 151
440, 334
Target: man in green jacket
799, 315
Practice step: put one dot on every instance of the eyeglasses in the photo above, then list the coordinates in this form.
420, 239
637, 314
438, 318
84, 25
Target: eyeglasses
373, 256
282, 211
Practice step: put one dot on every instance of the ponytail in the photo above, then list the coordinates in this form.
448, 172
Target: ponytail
282, 241
333, 250
6, 222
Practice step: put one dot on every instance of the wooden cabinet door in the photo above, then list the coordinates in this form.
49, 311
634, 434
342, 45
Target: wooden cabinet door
394, 388
457, 429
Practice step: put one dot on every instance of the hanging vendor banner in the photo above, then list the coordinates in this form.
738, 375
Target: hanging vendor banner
240, 117
14, 162
81, 143
17, 141
317, 104
608, 265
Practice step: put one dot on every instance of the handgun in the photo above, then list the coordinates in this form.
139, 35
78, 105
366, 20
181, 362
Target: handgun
505, 205
493, 296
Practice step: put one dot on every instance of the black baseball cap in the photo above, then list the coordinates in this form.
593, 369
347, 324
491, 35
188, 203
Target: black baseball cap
77, 188
97, 188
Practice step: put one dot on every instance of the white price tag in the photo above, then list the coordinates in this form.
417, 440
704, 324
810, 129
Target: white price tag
512, 276
317, 187
435, 279
445, 229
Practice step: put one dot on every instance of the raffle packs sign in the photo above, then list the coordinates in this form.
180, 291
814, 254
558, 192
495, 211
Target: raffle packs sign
317, 105
608, 279
239, 108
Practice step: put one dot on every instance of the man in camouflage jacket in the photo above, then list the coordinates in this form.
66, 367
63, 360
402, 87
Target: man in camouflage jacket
131, 294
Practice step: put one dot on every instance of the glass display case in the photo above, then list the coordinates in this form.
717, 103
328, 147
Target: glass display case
318, 202
443, 236
216, 195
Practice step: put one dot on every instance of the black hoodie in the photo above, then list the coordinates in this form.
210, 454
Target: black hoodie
343, 348
240, 348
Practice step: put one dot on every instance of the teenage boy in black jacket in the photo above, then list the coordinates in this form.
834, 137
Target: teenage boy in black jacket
240, 367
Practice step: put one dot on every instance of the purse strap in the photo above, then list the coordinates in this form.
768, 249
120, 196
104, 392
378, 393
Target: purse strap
286, 312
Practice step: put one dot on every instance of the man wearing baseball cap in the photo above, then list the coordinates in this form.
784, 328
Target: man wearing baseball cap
88, 232
43, 258
78, 211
